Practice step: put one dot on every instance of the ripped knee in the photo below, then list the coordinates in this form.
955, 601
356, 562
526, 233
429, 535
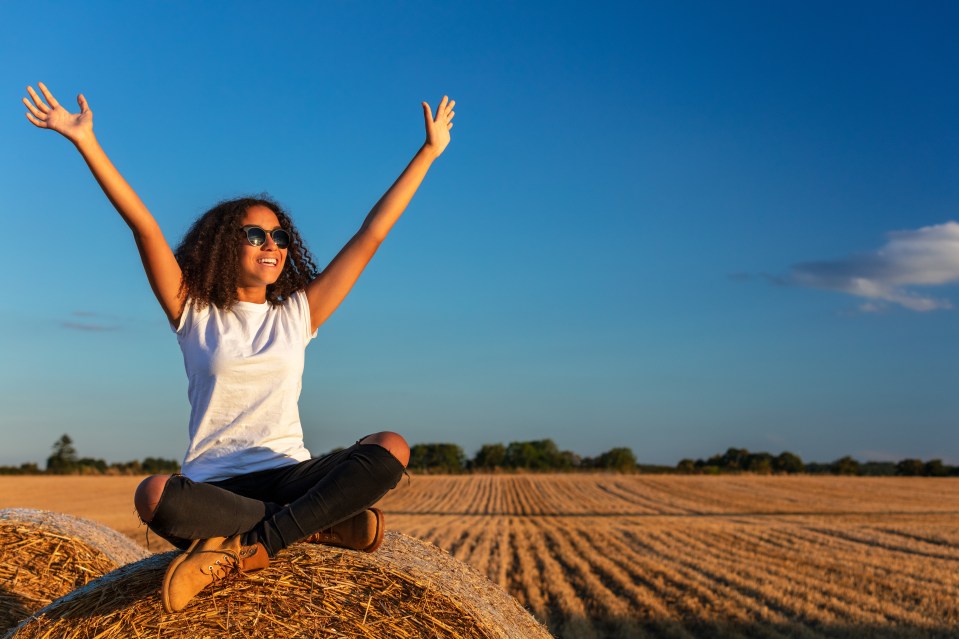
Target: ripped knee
392, 442
147, 496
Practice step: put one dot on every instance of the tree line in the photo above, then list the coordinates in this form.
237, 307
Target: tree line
542, 455
537, 455
739, 460
64, 460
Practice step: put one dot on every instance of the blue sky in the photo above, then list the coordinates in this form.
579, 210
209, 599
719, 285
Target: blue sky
676, 227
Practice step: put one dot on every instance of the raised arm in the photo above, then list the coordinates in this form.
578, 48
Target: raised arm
161, 267
332, 285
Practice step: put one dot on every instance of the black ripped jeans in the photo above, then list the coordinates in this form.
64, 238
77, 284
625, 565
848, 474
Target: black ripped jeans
278, 506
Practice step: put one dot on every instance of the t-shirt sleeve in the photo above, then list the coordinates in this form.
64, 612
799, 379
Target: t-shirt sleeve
188, 319
302, 308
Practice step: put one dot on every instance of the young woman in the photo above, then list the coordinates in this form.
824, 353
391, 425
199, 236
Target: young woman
244, 297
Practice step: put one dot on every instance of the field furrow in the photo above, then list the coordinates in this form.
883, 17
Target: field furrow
637, 556
611, 556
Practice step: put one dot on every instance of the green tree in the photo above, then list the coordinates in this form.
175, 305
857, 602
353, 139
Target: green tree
845, 466
64, 457
90, 466
910, 467
437, 458
935, 468
787, 462
490, 456
759, 463
686, 466
159, 466
541, 454
619, 459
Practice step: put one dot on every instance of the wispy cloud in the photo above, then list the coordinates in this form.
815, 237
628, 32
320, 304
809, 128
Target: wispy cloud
88, 321
925, 257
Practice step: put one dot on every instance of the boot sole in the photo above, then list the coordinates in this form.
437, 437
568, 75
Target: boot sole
165, 591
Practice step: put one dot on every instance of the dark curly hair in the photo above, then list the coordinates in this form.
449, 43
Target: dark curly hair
209, 256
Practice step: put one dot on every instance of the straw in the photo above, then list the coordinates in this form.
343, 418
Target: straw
407, 590
45, 555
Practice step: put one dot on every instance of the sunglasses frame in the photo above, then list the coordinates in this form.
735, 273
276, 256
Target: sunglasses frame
247, 228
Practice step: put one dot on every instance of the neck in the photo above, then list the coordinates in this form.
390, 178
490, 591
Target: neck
255, 294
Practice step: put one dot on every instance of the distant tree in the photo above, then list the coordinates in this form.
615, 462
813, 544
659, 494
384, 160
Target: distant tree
687, 466
567, 460
732, 459
619, 459
90, 466
787, 462
935, 468
134, 467
910, 467
759, 463
64, 457
845, 466
158, 466
490, 456
27, 468
877, 469
441, 458
541, 454
523, 455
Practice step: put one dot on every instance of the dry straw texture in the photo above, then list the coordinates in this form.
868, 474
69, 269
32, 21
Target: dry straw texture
408, 589
45, 555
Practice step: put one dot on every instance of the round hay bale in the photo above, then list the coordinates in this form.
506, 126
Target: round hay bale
45, 555
408, 589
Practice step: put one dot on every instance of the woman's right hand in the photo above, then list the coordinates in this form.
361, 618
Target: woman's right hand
50, 115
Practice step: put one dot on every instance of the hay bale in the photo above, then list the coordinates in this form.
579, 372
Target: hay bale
45, 555
408, 589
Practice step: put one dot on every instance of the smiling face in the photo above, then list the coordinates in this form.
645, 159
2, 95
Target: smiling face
259, 265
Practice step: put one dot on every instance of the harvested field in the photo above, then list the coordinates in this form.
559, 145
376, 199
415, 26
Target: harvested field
664, 556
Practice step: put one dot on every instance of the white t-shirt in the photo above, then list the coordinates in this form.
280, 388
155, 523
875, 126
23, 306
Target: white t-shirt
245, 369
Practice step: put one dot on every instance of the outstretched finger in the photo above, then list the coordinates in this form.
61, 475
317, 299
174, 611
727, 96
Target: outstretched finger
34, 110
37, 100
449, 126
49, 96
82, 101
449, 116
36, 122
449, 107
428, 114
442, 107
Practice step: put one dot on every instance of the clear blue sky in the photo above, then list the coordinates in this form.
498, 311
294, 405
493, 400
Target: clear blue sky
676, 227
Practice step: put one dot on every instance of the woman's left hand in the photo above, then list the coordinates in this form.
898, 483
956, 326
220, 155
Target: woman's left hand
438, 128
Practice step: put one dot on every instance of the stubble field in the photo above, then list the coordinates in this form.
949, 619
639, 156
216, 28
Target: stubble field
663, 556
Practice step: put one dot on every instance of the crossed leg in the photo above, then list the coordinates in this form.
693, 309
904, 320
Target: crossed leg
307, 501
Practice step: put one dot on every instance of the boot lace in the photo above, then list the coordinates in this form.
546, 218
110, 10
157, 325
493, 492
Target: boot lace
228, 565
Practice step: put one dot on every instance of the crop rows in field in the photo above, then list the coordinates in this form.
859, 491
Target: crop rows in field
633, 556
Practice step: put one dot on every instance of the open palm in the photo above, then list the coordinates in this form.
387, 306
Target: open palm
438, 128
50, 114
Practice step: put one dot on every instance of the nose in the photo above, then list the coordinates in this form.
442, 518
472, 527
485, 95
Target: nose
269, 244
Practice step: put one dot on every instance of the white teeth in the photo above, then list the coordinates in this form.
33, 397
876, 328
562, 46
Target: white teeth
267, 260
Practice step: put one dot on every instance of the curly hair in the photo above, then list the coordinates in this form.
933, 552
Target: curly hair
209, 256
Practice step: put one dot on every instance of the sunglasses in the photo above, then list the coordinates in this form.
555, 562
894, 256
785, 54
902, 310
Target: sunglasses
256, 236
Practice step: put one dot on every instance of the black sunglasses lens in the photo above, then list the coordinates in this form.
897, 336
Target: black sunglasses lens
255, 235
281, 238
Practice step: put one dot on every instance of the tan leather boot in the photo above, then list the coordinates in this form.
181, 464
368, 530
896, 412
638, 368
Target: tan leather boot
360, 532
207, 561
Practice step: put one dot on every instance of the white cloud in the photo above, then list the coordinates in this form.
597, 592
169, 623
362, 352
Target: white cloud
928, 256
